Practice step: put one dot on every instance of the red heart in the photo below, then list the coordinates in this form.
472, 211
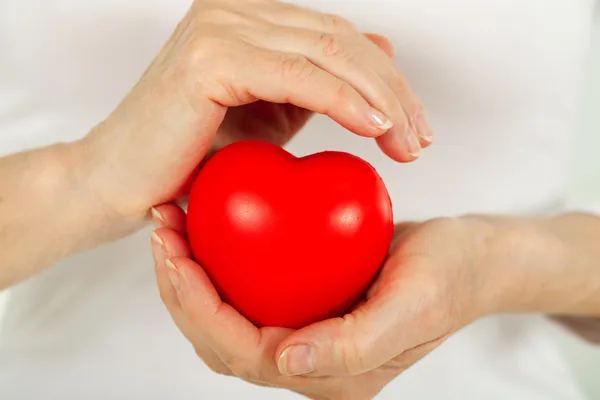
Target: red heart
289, 241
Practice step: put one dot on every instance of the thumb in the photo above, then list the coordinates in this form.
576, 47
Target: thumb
359, 342
382, 42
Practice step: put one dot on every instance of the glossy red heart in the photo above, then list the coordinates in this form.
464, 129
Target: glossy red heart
289, 241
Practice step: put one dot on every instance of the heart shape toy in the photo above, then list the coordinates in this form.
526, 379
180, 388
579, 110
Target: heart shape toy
289, 241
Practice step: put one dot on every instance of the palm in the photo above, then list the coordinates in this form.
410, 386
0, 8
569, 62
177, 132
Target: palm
261, 120
404, 287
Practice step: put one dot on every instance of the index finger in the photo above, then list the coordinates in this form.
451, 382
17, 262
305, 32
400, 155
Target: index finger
204, 318
231, 335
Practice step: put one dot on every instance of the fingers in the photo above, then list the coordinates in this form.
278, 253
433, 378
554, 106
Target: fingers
181, 282
340, 44
281, 77
354, 59
423, 130
213, 327
355, 344
169, 216
166, 243
238, 343
286, 54
382, 42
224, 340
405, 309
325, 353
265, 121
351, 59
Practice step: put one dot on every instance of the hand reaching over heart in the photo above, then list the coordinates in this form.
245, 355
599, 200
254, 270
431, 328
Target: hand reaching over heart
432, 284
246, 70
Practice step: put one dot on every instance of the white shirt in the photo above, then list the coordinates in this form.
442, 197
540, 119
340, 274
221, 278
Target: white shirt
500, 80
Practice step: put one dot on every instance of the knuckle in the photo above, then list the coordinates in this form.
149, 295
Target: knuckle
336, 23
398, 84
417, 106
297, 67
208, 47
201, 49
330, 44
230, 94
344, 92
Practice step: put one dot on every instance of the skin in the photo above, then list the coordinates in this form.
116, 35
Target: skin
193, 99
440, 276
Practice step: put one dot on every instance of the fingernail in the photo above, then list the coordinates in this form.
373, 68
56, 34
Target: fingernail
297, 360
156, 239
412, 142
173, 273
156, 215
380, 121
423, 128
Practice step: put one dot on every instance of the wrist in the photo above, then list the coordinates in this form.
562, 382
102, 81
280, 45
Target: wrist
94, 189
524, 265
482, 234
107, 175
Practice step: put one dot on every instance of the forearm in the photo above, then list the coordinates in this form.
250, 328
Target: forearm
548, 265
49, 210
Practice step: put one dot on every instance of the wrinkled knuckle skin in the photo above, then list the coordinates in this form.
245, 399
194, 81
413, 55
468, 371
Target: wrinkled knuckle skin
330, 45
297, 67
398, 84
209, 63
344, 92
201, 50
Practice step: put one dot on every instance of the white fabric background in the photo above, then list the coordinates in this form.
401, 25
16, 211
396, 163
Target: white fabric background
587, 190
